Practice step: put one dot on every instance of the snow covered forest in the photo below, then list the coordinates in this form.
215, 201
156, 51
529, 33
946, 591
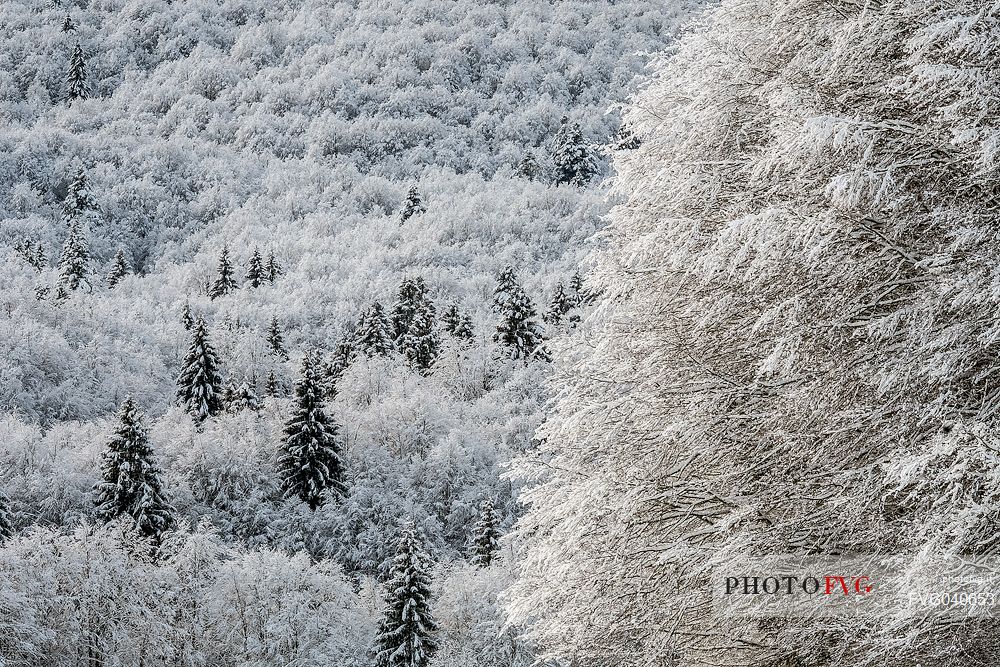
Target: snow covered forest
458, 334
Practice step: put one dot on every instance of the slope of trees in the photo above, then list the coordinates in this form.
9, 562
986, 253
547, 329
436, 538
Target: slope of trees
794, 355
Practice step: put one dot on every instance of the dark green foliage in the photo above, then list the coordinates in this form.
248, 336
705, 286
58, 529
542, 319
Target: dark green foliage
119, 268
255, 271
560, 306
273, 269
199, 386
574, 163
374, 332
517, 332
486, 536
309, 462
335, 365
187, 319
130, 480
457, 323
413, 205
276, 341
528, 167
225, 282
76, 79
73, 260
413, 324
405, 635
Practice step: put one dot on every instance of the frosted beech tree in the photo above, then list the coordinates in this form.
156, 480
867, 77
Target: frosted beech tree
130, 479
76, 78
791, 356
405, 635
486, 535
200, 385
225, 280
309, 461
119, 269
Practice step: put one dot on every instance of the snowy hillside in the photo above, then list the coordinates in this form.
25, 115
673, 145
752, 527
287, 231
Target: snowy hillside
336, 190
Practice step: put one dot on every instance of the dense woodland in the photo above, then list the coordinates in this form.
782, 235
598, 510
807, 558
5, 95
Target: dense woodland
279, 281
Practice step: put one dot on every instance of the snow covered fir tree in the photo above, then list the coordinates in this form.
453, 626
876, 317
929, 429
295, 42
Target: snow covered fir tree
199, 385
405, 635
487, 535
130, 485
309, 464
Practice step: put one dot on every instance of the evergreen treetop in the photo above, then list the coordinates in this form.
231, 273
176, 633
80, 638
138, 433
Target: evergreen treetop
200, 386
486, 535
78, 198
275, 340
130, 480
273, 269
225, 282
405, 634
76, 79
255, 271
517, 330
574, 162
374, 332
119, 268
309, 460
413, 205
74, 258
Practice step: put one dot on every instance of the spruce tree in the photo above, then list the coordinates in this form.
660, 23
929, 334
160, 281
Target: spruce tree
374, 332
528, 167
517, 331
271, 386
200, 386
413, 205
560, 306
225, 282
405, 634
457, 323
273, 269
119, 268
40, 259
73, 260
255, 271
309, 461
187, 319
68, 25
130, 480
275, 340
573, 160
486, 535
243, 397
335, 366
76, 78
413, 324
579, 293
625, 139
78, 198
6, 520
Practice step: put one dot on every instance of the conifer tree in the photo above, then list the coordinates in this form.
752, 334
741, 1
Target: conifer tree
243, 397
405, 634
187, 319
130, 480
271, 386
200, 386
76, 78
413, 324
457, 323
73, 260
119, 268
78, 198
68, 25
275, 340
255, 271
528, 167
517, 331
335, 366
413, 205
40, 259
573, 160
625, 139
486, 540
273, 269
374, 332
6, 520
225, 282
560, 306
309, 461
